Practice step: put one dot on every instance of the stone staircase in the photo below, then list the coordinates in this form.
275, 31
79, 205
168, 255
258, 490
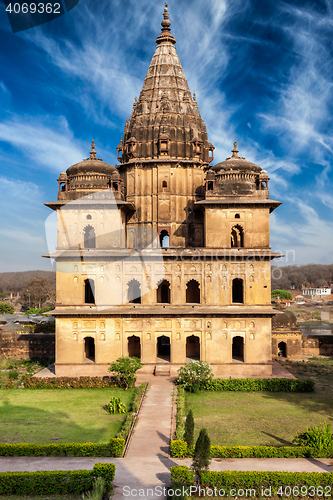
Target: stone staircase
162, 370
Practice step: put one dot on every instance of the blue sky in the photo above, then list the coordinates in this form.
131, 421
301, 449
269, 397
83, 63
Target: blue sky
262, 73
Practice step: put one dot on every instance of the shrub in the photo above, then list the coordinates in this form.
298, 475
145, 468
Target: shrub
179, 449
13, 374
194, 375
180, 415
257, 384
283, 294
189, 429
38, 310
116, 406
124, 369
66, 382
107, 471
97, 492
6, 308
201, 454
319, 438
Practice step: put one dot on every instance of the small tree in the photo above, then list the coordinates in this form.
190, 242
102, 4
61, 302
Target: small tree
283, 294
6, 308
194, 375
201, 455
124, 369
189, 429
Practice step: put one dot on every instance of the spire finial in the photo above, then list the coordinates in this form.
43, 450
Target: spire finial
93, 152
235, 151
165, 35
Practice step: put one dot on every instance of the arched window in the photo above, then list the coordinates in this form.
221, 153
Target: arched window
237, 291
238, 349
164, 184
89, 348
192, 292
89, 237
134, 292
89, 216
237, 236
237, 216
210, 185
164, 239
134, 346
89, 291
163, 292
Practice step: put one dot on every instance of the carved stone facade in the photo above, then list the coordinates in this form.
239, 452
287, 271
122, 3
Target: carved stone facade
164, 257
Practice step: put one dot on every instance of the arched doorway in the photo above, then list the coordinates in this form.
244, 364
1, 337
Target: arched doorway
193, 347
164, 239
238, 348
282, 349
89, 348
89, 237
237, 236
134, 346
163, 348
192, 292
134, 292
237, 291
89, 291
163, 292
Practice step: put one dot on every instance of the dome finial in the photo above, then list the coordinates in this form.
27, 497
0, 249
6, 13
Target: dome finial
93, 152
235, 151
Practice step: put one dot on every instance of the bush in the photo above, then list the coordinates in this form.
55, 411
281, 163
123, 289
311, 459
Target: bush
180, 415
38, 310
67, 382
189, 429
179, 449
97, 492
6, 308
283, 294
201, 454
319, 438
257, 384
194, 375
124, 369
13, 374
282, 483
112, 449
127, 425
116, 406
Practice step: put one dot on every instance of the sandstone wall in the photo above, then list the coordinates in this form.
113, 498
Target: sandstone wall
25, 346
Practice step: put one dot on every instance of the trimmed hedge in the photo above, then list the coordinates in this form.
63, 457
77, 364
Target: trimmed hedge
68, 382
54, 482
179, 449
126, 427
257, 384
240, 480
114, 448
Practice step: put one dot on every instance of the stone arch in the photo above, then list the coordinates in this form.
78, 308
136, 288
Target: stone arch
89, 291
163, 292
237, 216
282, 349
237, 236
163, 348
134, 346
134, 292
193, 347
237, 291
89, 237
193, 292
238, 348
89, 348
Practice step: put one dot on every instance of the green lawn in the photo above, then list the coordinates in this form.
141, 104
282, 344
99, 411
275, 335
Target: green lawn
259, 418
59, 415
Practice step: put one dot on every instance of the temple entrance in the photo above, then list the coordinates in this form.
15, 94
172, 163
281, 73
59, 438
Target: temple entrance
282, 349
89, 348
134, 346
163, 348
238, 349
193, 348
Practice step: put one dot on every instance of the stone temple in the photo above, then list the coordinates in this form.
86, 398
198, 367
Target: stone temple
166, 256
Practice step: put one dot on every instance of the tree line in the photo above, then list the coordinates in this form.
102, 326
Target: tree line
309, 275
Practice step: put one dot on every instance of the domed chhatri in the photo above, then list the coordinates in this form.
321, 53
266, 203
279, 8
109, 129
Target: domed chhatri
237, 176
88, 176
